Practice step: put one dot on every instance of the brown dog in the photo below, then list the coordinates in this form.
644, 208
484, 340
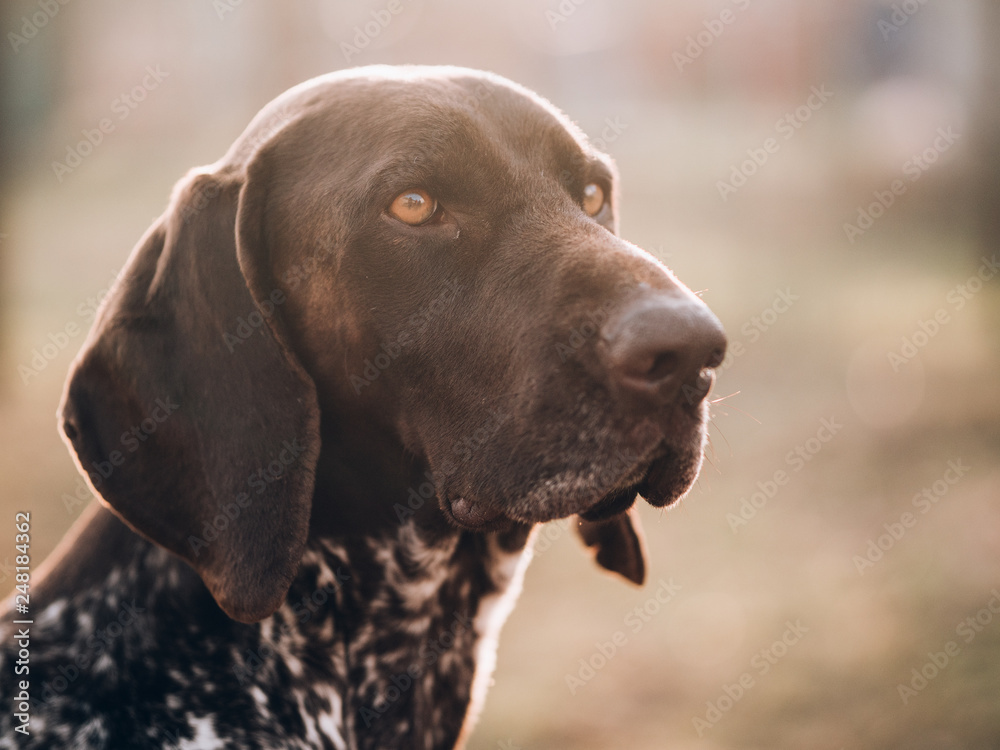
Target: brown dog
346, 372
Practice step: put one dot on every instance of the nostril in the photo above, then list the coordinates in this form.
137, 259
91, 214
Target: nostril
646, 369
661, 344
664, 365
69, 429
715, 358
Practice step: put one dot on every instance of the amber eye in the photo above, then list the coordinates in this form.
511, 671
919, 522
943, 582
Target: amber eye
593, 199
413, 207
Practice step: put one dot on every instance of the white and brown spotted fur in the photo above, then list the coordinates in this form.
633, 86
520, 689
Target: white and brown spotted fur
379, 644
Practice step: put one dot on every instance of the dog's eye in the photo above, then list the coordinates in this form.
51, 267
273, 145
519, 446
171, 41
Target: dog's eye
413, 207
593, 199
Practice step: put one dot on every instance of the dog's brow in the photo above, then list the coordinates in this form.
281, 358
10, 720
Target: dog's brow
599, 171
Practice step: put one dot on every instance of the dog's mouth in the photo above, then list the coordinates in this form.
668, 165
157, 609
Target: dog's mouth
663, 483
662, 476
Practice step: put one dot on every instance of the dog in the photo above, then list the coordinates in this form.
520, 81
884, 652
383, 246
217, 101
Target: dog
343, 376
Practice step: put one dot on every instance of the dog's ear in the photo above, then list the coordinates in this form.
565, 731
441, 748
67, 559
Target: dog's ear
619, 543
187, 410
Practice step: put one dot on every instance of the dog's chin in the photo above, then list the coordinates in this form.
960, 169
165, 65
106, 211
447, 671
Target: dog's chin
661, 470
669, 478
663, 482
666, 481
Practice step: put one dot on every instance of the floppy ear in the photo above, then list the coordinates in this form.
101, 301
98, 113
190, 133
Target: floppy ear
620, 544
188, 412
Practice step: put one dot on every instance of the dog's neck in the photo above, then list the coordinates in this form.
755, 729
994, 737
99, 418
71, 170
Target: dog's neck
388, 630
418, 618
368, 484
416, 601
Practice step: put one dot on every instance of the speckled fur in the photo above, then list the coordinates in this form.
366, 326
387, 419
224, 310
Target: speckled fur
375, 647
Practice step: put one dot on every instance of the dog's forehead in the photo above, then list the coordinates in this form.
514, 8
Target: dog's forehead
443, 93
443, 106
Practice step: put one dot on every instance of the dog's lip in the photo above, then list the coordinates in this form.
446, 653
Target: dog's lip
653, 476
654, 484
657, 486
613, 504
472, 515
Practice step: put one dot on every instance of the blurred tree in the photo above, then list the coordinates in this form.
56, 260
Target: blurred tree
986, 129
28, 82
6, 155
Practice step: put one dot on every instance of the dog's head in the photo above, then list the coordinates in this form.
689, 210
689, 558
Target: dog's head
429, 252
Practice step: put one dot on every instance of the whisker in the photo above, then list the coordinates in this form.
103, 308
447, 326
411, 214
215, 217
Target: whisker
711, 462
723, 435
719, 400
744, 413
723, 398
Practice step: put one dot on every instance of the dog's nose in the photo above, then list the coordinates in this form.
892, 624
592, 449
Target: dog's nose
664, 346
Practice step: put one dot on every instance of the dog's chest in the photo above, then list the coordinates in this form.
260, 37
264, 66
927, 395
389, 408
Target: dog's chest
412, 639
384, 643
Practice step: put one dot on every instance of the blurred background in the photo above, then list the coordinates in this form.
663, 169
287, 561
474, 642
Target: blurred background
827, 172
